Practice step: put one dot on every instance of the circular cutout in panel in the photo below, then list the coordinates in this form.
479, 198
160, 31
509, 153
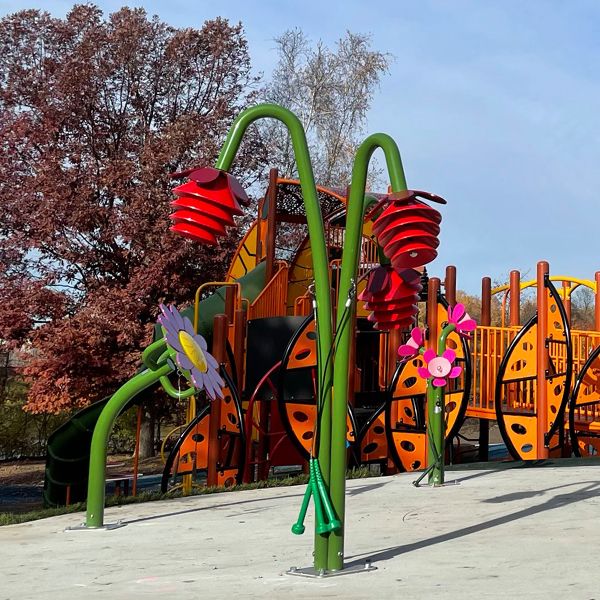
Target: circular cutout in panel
407, 446
300, 416
526, 448
409, 382
302, 354
371, 447
518, 429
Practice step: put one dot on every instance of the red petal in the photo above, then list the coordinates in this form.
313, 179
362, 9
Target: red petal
199, 220
192, 232
222, 213
205, 175
237, 190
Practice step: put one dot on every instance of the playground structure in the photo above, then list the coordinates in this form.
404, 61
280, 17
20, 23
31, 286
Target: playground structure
538, 380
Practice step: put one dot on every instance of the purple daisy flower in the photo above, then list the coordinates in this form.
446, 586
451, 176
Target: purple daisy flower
191, 352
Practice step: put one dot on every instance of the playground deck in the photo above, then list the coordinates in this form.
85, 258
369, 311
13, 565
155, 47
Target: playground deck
526, 532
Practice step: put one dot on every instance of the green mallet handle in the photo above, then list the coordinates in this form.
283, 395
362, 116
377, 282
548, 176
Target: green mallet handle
298, 527
334, 523
322, 525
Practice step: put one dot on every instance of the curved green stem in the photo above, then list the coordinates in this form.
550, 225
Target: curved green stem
320, 263
151, 356
174, 393
97, 477
341, 369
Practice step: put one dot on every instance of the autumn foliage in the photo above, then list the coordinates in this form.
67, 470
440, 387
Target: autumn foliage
95, 113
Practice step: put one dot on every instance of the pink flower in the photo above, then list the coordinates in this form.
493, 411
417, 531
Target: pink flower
439, 367
414, 344
461, 320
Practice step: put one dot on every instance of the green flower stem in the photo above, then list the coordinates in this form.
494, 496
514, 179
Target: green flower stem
436, 421
352, 244
153, 353
320, 266
174, 393
97, 477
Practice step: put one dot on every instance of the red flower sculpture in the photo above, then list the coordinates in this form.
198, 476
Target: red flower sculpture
408, 228
392, 297
206, 204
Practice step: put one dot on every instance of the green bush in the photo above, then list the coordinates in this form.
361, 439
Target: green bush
21, 433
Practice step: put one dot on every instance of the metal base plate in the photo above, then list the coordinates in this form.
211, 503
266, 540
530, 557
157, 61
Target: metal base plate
105, 527
311, 572
430, 486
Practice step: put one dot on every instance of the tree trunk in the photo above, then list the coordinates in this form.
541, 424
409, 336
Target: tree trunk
147, 435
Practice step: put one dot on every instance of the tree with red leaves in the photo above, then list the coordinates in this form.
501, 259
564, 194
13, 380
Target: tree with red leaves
95, 114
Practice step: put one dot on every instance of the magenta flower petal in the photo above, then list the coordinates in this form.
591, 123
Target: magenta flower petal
417, 335
428, 355
449, 354
456, 371
439, 382
423, 372
407, 350
457, 313
467, 325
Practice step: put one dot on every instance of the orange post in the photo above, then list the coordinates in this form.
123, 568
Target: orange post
239, 345
219, 344
515, 299
486, 301
433, 289
271, 199
542, 359
450, 285
230, 299
484, 385
597, 302
566, 298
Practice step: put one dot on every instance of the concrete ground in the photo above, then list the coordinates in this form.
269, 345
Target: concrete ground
504, 533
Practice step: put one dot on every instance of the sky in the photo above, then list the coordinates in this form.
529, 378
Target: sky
495, 106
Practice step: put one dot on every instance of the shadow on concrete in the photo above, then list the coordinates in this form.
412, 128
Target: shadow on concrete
532, 493
351, 492
591, 490
210, 507
365, 488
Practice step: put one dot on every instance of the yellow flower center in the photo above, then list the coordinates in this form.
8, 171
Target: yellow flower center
193, 351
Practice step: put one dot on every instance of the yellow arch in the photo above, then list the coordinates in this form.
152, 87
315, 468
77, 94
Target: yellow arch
533, 282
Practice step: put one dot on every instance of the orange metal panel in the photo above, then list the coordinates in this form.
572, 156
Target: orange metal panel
374, 443
522, 431
411, 448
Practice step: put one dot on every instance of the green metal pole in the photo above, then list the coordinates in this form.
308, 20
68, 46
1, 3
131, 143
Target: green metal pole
97, 473
352, 244
320, 267
436, 420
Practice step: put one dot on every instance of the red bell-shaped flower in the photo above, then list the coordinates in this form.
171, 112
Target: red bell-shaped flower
206, 204
407, 229
392, 296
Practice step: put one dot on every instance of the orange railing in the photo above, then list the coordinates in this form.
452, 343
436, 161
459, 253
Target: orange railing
302, 306
488, 347
584, 342
271, 302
